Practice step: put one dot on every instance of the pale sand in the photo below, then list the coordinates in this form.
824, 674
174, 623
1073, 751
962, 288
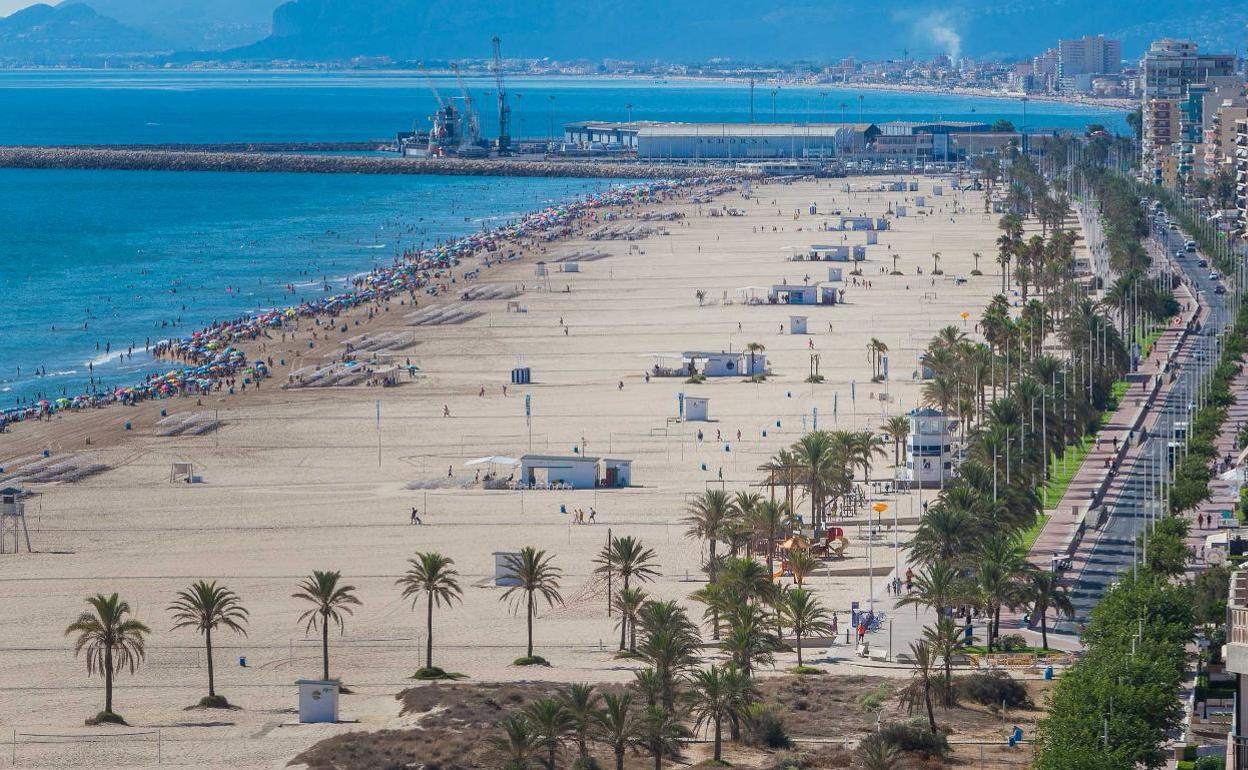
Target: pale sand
292, 483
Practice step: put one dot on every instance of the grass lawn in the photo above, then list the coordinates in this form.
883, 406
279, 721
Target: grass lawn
1061, 473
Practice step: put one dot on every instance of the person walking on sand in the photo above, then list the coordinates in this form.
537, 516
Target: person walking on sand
593, 515
446, 410
415, 516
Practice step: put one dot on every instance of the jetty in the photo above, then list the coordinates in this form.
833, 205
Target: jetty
158, 159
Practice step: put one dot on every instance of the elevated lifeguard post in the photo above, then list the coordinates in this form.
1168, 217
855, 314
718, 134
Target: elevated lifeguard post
13, 520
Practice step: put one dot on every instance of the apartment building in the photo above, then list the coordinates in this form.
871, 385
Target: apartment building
1167, 72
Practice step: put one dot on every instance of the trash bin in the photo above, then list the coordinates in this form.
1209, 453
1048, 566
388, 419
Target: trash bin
1048, 673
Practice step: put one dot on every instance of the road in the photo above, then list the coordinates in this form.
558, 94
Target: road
1132, 502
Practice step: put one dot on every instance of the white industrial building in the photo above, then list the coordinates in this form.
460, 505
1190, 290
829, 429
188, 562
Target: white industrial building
652, 139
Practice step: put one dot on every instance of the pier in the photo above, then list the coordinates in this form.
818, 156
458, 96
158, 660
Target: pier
238, 160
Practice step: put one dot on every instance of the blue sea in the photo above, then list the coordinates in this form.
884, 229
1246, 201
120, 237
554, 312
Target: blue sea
94, 262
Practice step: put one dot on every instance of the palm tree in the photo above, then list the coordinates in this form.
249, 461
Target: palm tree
1044, 592
615, 725
769, 520
625, 558
112, 642
804, 615
330, 601
816, 455
517, 744
647, 683
944, 535
628, 603
434, 576
530, 572
802, 563
936, 263
864, 447
938, 586
710, 700
943, 638
754, 348
550, 722
206, 607
919, 689
708, 519
875, 350
581, 702
897, 429
750, 641
669, 643
660, 733
977, 256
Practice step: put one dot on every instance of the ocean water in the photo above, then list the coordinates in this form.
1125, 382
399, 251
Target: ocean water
93, 262
104, 107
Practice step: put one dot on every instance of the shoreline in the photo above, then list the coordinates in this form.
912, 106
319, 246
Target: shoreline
208, 358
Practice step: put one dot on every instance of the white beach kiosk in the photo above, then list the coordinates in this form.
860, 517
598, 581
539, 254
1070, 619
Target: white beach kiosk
574, 472
696, 408
929, 448
318, 700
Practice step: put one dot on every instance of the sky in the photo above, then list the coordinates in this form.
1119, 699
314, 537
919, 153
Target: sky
9, 6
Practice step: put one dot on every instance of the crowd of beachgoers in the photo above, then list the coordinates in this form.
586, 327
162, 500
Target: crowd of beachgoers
211, 362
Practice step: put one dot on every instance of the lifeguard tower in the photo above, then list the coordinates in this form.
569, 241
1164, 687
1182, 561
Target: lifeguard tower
929, 448
13, 520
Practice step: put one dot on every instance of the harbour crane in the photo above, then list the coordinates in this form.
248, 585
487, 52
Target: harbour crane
472, 120
504, 112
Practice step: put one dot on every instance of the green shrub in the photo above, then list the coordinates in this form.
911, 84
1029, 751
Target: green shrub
1012, 642
915, 737
873, 700
991, 688
764, 728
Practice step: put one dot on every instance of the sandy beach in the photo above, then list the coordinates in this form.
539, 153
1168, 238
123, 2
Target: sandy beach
305, 478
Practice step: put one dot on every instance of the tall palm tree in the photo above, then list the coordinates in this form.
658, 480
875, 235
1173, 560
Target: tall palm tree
816, 455
1045, 592
628, 604
206, 607
769, 521
330, 602
531, 573
434, 576
751, 640
550, 723
112, 642
919, 689
875, 352
944, 535
937, 586
517, 744
864, 447
649, 686
943, 638
660, 731
754, 348
711, 699
804, 615
625, 558
707, 519
897, 428
615, 725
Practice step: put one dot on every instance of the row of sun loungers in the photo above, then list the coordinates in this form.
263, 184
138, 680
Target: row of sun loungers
333, 375
188, 424
582, 256
442, 316
45, 470
385, 342
630, 233
490, 291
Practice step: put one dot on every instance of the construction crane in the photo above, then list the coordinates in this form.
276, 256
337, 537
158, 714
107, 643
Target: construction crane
504, 112
472, 121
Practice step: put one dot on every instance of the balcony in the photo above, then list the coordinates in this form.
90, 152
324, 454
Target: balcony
1237, 624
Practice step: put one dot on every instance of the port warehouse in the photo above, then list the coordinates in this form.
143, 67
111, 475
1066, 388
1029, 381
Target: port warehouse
941, 141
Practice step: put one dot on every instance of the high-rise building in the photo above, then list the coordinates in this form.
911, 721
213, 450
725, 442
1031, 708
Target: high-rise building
1168, 70
1089, 55
1241, 174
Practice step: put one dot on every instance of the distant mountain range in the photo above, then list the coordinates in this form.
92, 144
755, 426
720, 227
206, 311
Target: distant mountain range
43, 34
680, 31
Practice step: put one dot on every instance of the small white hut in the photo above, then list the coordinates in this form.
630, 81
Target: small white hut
696, 408
797, 324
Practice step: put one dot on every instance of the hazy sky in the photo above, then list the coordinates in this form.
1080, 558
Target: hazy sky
9, 6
